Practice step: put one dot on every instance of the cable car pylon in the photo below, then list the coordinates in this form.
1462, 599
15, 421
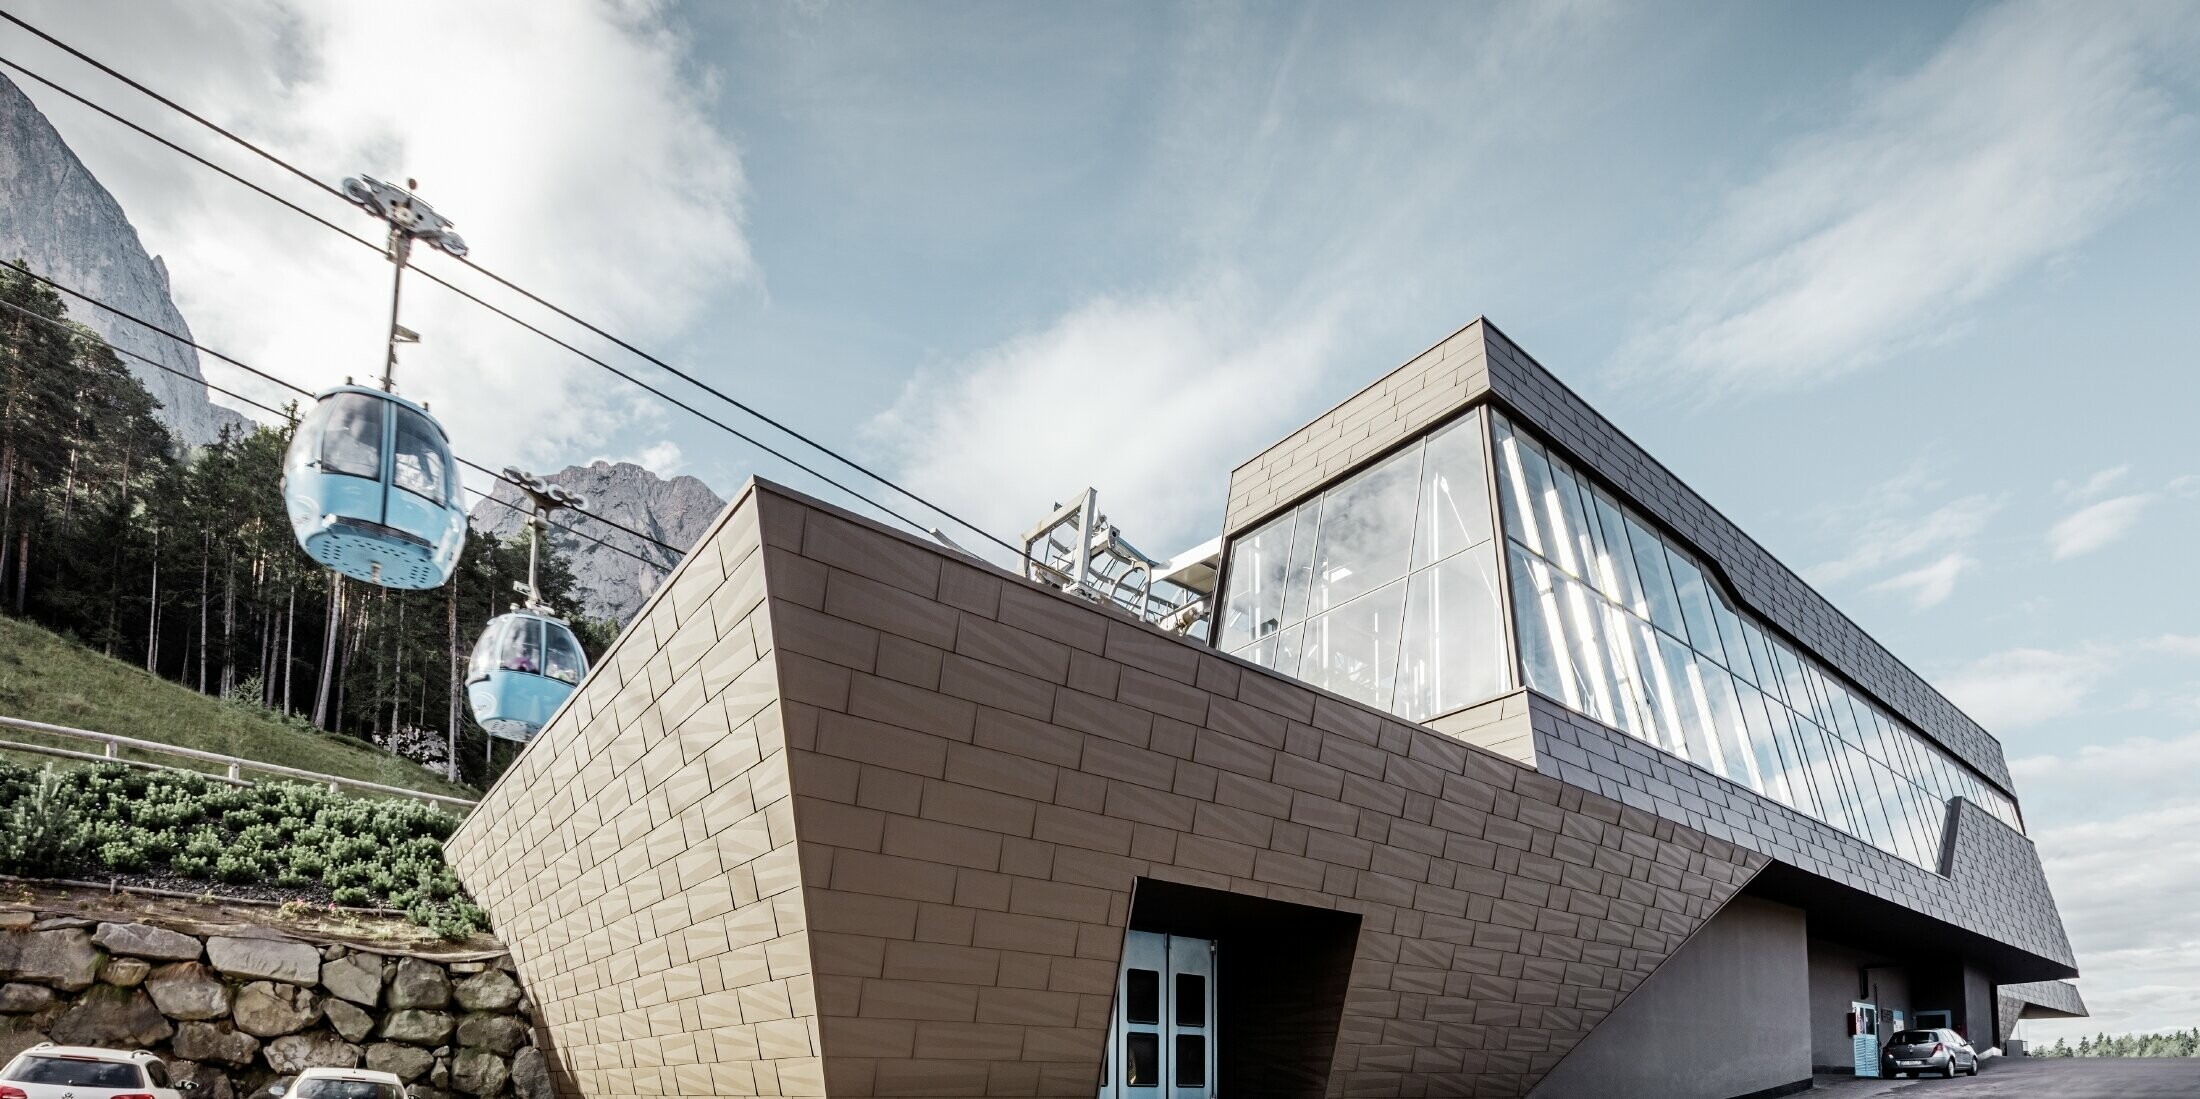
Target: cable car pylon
527, 662
369, 482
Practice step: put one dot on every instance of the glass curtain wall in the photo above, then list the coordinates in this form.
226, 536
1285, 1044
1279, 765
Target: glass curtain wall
1383, 589
1625, 627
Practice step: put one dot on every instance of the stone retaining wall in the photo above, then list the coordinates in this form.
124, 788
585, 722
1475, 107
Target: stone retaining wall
234, 1010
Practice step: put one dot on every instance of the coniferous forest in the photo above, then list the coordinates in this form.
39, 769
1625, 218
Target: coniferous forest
181, 559
2175, 1043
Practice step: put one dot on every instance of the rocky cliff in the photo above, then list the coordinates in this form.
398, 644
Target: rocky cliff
58, 219
612, 585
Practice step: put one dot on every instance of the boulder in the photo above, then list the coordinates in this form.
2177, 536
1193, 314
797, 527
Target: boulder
295, 1053
17, 999
478, 1072
419, 984
349, 1020
15, 920
125, 972
188, 990
140, 940
62, 958
212, 1082
214, 1042
265, 959
408, 1063
501, 1033
355, 977
421, 1028
490, 991
17, 1035
271, 1010
110, 1016
531, 1075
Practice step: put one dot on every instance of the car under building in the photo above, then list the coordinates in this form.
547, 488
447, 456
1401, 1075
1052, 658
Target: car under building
1507, 766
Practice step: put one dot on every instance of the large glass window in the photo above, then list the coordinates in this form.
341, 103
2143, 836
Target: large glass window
1385, 589
1622, 625
1353, 650
351, 438
1366, 535
1454, 650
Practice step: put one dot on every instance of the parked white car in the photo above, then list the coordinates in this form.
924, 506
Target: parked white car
337, 1083
48, 1071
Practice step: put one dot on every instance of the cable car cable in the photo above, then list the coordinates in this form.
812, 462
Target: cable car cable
477, 300
508, 284
270, 409
325, 223
162, 99
249, 368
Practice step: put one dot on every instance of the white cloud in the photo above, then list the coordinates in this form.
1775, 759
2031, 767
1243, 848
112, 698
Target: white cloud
2176, 644
2096, 525
1293, 187
1889, 532
1929, 585
2095, 485
2096, 781
2125, 887
2022, 687
662, 458
2187, 485
1151, 400
573, 145
2031, 127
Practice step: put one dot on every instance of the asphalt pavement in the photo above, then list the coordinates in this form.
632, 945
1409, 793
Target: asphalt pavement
2041, 1078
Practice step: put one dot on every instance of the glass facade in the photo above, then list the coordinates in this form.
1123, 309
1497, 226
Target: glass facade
1621, 625
1383, 589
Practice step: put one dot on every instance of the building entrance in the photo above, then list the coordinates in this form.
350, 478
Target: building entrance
1161, 1039
1864, 1028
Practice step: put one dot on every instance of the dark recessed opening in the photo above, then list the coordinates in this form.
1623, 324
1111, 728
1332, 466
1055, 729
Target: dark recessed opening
1142, 996
1191, 1061
1141, 1055
1281, 971
1191, 1000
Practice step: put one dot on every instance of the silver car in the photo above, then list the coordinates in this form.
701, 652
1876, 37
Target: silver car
1917, 1052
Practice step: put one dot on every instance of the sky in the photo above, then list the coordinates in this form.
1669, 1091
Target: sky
1905, 290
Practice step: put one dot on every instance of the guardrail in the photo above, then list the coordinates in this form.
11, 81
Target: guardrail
113, 745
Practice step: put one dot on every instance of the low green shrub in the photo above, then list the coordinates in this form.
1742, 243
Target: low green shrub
367, 853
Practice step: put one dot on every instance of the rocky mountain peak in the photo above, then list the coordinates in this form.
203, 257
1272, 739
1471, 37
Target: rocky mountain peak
58, 219
675, 510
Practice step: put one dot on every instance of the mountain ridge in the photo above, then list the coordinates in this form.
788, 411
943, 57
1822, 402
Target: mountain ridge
675, 510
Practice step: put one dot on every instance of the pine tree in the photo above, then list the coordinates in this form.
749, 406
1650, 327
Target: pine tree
111, 533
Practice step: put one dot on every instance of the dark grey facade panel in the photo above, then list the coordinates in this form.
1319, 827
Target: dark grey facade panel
1768, 586
1994, 888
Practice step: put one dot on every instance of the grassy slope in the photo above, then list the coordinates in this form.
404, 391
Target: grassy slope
44, 677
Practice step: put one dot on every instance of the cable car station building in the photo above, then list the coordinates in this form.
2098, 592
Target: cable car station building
1511, 768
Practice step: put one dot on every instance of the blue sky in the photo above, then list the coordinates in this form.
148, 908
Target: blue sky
1903, 289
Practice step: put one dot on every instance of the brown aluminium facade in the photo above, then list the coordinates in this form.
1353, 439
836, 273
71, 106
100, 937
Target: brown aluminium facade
846, 813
